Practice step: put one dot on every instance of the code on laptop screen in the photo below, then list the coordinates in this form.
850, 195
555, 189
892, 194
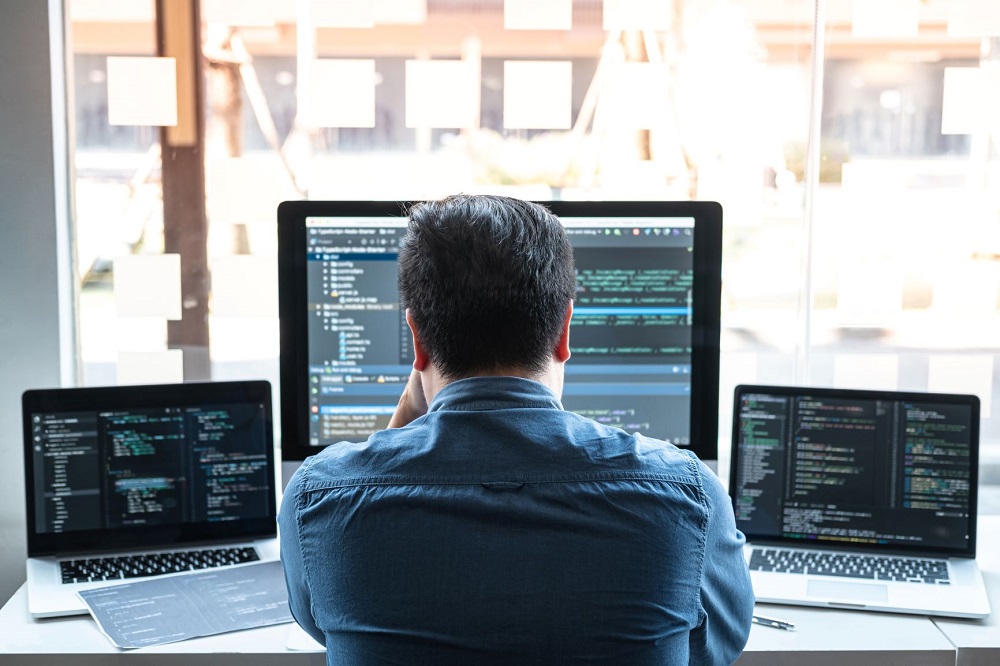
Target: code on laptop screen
854, 470
149, 467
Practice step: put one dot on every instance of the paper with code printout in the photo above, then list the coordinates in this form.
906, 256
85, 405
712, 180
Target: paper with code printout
175, 608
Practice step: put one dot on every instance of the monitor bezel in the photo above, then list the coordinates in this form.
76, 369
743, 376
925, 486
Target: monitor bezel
138, 397
970, 401
706, 303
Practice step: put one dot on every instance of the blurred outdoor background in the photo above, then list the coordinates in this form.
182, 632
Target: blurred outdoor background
878, 269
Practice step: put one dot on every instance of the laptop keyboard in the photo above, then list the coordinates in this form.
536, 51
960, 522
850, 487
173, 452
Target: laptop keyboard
849, 565
152, 564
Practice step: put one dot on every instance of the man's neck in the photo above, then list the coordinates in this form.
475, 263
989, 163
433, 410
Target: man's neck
551, 376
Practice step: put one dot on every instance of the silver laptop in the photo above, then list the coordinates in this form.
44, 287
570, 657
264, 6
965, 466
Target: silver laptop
128, 482
859, 499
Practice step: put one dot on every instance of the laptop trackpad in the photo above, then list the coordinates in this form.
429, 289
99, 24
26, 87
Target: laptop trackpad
855, 591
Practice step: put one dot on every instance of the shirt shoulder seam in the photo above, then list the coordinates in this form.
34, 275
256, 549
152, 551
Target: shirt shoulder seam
703, 531
472, 480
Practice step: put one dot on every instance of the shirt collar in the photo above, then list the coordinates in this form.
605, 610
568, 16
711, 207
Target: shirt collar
481, 393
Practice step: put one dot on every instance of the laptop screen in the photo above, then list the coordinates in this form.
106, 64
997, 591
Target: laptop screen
149, 465
859, 469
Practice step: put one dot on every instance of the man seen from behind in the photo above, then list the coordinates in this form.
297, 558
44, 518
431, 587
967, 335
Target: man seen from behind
488, 525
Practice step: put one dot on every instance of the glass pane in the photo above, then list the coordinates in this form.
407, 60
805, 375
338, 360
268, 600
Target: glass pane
906, 245
713, 105
119, 210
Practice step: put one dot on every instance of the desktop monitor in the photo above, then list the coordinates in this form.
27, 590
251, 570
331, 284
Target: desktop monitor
644, 335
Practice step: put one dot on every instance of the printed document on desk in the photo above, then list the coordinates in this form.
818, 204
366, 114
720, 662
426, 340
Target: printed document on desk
175, 608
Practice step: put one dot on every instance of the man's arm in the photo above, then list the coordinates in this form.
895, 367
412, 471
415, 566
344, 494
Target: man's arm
726, 594
299, 598
412, 404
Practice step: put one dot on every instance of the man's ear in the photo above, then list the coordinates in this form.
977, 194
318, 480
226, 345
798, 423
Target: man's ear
420, 358
561, 352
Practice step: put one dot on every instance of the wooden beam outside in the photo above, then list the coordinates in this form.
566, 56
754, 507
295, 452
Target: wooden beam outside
185, 222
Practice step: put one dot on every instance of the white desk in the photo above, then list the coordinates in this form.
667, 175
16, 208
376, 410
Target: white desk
822, 637
825, 637
978, 641
77, 640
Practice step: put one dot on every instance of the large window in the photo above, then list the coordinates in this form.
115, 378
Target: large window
862, 250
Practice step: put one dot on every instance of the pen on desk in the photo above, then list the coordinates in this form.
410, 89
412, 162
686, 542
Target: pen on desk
773, 622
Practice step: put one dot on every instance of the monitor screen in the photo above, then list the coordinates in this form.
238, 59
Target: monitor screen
644, 333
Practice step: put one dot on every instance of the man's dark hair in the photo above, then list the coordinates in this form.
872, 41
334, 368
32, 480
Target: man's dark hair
488, 281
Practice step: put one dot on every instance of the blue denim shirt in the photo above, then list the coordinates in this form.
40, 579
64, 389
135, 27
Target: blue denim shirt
499, 528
